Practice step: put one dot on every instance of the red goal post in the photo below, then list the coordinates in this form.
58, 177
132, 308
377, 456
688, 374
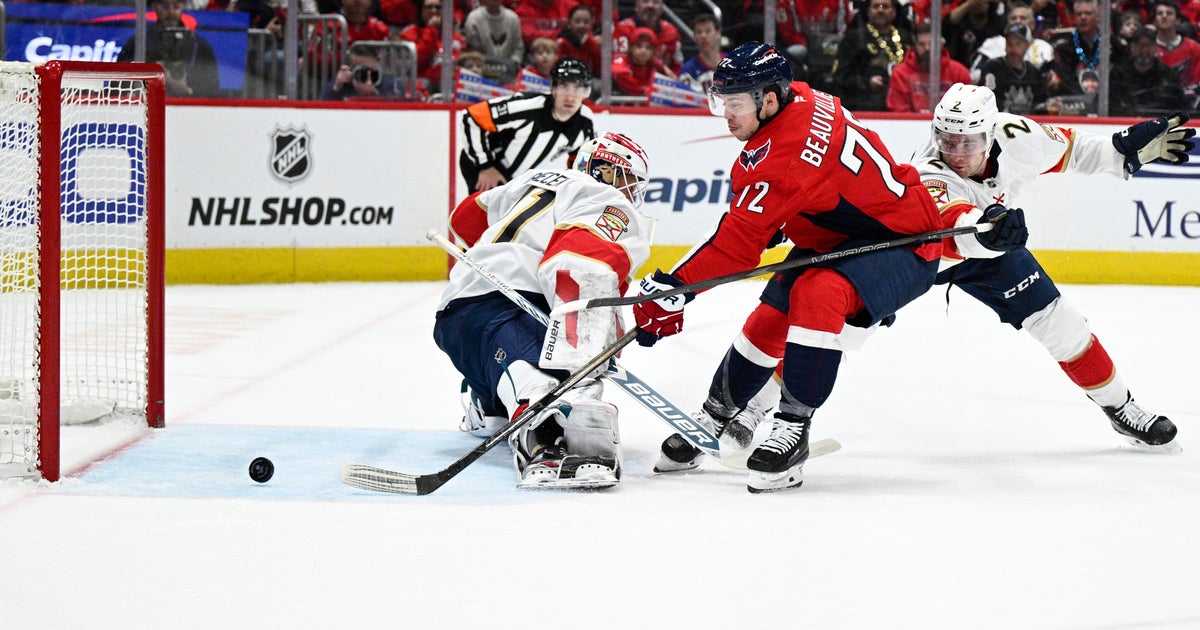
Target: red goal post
81, 253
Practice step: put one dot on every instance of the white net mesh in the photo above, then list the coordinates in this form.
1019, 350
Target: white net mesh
103, 293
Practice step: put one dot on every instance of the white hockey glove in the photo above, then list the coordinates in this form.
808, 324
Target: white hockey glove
1152, 140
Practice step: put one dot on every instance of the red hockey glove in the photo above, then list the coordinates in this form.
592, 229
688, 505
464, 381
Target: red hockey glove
662, 317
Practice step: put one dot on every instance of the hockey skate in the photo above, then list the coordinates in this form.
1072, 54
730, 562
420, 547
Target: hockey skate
739, 433
677, 454
778, 463
544, 466
571, 445
1142, 429
580, 471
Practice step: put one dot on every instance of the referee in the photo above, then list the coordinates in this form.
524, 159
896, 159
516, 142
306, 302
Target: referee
509, 135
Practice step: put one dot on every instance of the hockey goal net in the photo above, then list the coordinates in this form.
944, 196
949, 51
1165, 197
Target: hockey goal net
81, 253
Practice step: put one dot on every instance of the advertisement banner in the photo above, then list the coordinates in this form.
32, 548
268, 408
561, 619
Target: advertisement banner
304, 178
39, 32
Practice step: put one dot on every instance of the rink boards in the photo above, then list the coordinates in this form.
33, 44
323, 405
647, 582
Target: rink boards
261, 193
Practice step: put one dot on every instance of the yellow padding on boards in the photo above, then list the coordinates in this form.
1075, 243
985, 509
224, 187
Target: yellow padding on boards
286, 264
1070, 267
351, 264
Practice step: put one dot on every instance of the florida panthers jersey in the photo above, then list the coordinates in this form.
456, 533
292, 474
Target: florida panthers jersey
542, 222
822, 177
1022, 151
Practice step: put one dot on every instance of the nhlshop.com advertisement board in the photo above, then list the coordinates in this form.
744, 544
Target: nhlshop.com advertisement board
310, 193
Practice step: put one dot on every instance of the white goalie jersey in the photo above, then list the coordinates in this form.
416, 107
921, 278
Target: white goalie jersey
560, 234
548, 221
1022, 151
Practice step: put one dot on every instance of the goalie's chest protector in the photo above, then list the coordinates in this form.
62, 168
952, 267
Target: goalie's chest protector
523, 216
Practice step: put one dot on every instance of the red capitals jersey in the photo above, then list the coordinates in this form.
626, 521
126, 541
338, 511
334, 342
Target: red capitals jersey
825, 179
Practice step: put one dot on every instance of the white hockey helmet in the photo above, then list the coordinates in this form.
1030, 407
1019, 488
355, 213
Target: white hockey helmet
965, 110
618, 161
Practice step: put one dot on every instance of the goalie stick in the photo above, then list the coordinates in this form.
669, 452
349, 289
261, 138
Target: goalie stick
383, 480
680, 422
578, 305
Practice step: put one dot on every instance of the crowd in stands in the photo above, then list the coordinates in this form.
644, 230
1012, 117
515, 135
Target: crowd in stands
1039, 57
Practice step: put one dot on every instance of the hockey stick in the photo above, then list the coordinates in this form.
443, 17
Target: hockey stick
381, 480
680, 422
384, 480
578, 305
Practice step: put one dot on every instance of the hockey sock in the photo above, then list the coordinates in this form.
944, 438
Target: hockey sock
737, 380
808, 377
1094, 371
748, 364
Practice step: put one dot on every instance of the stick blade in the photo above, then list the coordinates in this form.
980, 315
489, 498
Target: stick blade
375, 479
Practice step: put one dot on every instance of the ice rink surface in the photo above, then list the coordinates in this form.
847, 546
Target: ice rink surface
977, 487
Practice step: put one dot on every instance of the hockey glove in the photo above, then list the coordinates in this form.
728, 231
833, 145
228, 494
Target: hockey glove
1151, 140
1009, 232
662, 317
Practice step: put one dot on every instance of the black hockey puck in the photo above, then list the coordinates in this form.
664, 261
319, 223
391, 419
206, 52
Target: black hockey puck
261, 469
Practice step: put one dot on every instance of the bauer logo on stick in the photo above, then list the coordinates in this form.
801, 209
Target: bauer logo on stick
291, 157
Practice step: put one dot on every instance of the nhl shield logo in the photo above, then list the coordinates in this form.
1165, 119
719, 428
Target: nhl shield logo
291, 158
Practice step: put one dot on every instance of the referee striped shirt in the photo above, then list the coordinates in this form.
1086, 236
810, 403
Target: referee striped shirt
517, 133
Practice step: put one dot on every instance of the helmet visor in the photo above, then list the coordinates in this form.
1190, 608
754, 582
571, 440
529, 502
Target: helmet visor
960, 144
572, 89
732, 104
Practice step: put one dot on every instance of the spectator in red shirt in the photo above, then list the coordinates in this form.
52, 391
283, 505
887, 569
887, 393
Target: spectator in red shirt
398, 13
426, 34
1179, 53
542, 18
633, 72
908, 91
361, 25
648, 14
794, 19
578, 38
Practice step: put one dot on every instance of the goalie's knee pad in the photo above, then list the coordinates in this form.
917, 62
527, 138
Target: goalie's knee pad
1061, 329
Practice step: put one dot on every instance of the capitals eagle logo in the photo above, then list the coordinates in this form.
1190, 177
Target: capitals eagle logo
753, 157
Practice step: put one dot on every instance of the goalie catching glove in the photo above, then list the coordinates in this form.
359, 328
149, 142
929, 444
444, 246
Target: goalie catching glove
662, 317
1009, 232
1152, 140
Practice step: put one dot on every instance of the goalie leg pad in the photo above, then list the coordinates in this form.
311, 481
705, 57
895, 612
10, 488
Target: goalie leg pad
593, 439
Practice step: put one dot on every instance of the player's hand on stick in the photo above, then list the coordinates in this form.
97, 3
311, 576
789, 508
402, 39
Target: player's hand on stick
1152, 140
662, 317
1008, 232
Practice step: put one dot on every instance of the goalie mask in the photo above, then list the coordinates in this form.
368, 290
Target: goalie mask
616, 160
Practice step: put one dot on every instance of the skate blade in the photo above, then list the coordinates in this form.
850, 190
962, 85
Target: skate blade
571, 484
668, 465
760, 482
736, 459
1170, 448
584, 476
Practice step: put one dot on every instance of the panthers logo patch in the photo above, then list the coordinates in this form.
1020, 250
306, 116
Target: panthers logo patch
937, 190
613, 223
